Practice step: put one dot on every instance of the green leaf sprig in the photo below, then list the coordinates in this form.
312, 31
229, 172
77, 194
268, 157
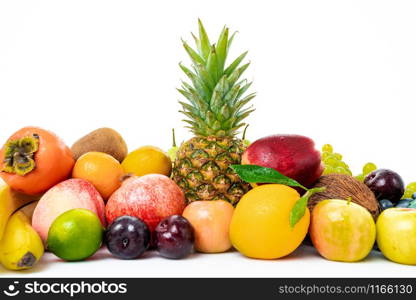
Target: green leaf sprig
258, 174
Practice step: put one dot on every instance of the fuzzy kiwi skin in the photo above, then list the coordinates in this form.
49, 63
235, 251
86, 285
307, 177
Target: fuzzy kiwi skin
105, 140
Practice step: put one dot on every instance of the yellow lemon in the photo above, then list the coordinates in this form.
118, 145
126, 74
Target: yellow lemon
147, 160
260, 226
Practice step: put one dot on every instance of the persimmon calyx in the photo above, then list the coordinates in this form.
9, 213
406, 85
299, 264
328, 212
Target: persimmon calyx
19, 155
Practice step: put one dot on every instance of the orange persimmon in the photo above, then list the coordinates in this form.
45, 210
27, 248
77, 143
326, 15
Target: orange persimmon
34, 159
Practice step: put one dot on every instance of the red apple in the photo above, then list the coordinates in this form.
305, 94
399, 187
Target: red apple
150, 198
292, 155
69, 194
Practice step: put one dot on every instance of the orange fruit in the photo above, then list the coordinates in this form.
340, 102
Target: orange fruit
101, 169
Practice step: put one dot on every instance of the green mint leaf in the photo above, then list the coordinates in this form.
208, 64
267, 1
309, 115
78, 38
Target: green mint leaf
258, 174
298, 210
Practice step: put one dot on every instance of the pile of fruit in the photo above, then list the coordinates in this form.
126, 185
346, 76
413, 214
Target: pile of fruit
213, 193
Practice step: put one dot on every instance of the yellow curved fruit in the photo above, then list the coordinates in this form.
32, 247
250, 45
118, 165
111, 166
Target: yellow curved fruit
147, 160
21, 247
10, 201
260, 226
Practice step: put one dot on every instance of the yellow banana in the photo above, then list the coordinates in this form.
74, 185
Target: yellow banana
10, 201
21, 246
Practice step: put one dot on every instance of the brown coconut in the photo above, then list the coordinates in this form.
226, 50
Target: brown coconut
340, 186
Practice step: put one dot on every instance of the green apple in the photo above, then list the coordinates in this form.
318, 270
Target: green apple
342, 230
396, 235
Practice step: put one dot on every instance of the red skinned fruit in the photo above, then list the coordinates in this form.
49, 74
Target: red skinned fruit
67, 195
150, 198
292, 155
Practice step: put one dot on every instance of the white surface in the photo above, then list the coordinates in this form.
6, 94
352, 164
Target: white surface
341, 72
304, 262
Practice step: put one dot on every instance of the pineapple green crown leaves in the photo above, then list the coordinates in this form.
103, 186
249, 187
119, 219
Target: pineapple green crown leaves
217, 104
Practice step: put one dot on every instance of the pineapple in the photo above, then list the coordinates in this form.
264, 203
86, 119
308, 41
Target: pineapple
215, 110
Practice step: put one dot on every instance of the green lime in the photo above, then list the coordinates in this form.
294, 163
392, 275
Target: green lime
75, 235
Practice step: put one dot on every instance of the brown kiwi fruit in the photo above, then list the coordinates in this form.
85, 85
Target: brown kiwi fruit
105, 140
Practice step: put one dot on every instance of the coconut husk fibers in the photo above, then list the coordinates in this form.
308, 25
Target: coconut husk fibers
340, 186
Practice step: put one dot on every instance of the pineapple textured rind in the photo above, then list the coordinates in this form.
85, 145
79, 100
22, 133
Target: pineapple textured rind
202, 169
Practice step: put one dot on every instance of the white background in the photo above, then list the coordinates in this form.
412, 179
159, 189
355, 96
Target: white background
341, 72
